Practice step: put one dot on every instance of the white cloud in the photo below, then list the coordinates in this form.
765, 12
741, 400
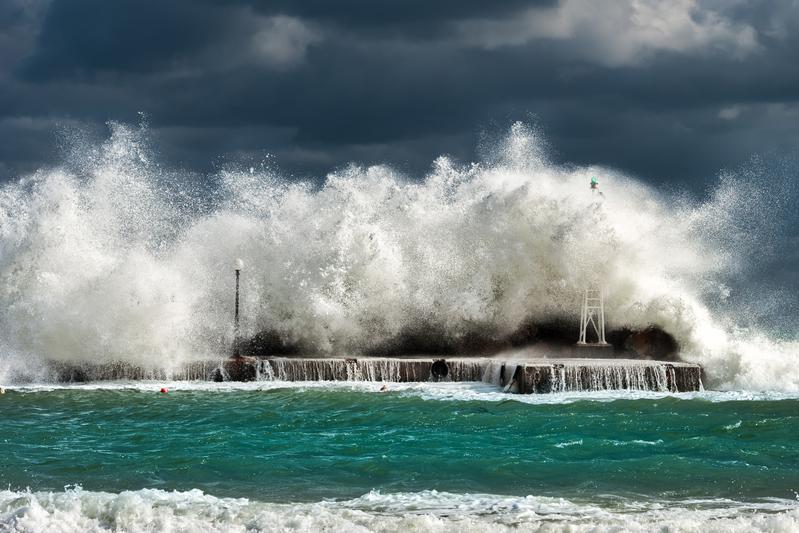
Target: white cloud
282, 41
730, 113
617, 33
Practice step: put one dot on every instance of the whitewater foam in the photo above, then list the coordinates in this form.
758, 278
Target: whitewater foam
156, 510
444, 391
112, 258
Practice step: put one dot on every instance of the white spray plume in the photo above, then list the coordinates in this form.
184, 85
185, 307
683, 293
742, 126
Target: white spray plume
111, 262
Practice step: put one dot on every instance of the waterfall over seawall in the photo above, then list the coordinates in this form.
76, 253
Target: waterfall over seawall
513, 375
594, 376
372, 369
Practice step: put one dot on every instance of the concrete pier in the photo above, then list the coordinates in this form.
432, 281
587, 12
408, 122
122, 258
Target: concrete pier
524, 376
593, 375
511, 374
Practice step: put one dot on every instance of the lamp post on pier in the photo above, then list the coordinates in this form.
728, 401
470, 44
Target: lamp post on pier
236, 329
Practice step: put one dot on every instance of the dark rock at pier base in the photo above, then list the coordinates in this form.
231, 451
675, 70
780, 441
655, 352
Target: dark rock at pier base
237, 369
652, 343
555, 338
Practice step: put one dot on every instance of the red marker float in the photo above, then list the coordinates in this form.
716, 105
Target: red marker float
164, 390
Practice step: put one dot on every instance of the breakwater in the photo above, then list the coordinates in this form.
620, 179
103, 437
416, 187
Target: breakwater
512, 375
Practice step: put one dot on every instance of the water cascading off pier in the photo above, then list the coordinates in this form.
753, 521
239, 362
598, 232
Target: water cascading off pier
511, 375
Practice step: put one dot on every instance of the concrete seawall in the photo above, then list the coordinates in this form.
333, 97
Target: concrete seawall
522, 376
519, 375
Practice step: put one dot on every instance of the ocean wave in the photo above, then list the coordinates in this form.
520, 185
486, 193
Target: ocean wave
110, 257
155, 510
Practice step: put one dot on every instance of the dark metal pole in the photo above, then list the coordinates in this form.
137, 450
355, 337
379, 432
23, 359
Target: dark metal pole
236, 319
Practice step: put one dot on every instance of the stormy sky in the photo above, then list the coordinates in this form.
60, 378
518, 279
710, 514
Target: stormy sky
672, 92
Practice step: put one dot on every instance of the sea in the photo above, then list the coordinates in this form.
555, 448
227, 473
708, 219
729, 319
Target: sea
113, 258
311, 456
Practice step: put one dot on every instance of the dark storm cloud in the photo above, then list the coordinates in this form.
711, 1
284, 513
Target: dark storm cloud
417, 18
89, 36
319, 84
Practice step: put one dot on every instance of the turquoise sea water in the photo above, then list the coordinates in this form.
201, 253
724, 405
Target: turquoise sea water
412, 453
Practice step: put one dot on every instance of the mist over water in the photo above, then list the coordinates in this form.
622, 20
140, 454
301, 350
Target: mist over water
111, 257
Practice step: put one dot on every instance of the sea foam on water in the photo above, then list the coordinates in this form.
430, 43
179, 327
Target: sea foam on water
110, 257
157, 510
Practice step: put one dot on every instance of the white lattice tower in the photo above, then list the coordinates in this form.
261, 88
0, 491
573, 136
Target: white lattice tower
592, 316
592, 313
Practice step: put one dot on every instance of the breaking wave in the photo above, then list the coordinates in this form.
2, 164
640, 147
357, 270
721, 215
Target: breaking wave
112, 257
156, 510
